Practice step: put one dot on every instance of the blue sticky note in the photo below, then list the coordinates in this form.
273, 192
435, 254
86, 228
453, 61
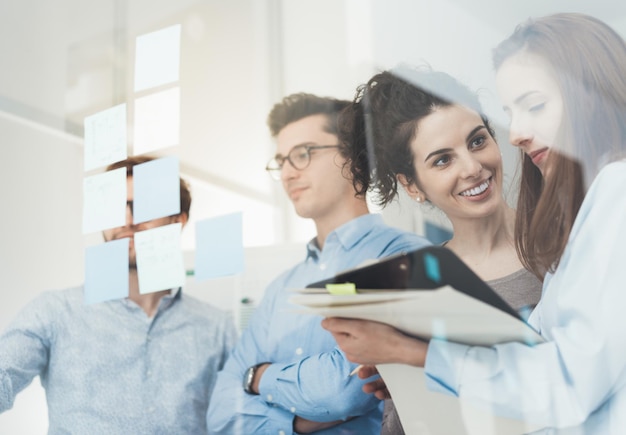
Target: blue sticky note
157, 121
219, 246
106, 271
156, 189
104, 201
105, 137
431, 267
159, 258
157, 58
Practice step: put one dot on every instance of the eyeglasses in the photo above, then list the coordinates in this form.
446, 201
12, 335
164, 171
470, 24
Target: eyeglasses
299, 157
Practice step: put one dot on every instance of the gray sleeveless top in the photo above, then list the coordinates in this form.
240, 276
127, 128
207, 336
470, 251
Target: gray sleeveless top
521, 290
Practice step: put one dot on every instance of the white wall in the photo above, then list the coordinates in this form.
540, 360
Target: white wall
42, 242
42, 245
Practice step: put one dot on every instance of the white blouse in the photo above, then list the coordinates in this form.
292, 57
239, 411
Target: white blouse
577, 379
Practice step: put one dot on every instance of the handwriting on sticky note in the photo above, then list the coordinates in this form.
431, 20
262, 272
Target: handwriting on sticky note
159, 258
105, 137
346, 288
104, 201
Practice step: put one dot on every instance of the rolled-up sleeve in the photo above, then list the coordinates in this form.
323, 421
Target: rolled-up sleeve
317, 388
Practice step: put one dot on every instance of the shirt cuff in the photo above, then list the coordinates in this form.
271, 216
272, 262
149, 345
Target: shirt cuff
444, 365
268, 382
281, 421
281, 387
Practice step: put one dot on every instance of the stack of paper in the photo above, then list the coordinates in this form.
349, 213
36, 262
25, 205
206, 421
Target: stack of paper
427, 293
444, 313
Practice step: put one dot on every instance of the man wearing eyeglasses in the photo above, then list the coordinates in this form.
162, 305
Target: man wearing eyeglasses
286, 374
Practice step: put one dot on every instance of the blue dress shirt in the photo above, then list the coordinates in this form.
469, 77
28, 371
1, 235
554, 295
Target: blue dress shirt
575, 383
109, 369
309, 375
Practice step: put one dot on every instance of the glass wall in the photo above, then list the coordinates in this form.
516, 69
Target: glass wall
68, 59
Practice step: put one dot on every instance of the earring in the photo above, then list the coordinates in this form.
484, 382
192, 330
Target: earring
418, 199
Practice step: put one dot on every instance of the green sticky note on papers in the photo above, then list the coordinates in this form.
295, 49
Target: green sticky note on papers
346, 288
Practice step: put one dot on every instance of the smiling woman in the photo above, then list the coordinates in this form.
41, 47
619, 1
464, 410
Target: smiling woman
457, 169
430, 136
575, 381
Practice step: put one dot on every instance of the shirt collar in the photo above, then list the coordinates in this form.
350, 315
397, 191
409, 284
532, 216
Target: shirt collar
348, 234
165, 302
174, 293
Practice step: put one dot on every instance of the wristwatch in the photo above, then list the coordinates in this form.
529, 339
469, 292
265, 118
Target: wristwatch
248, 378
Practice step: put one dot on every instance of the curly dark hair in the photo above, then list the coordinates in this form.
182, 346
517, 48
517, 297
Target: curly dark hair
380, 124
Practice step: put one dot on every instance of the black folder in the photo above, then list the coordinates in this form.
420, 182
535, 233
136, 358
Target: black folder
424, 269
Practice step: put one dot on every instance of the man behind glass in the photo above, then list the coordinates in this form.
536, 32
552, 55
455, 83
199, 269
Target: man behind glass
286, 374
140, 365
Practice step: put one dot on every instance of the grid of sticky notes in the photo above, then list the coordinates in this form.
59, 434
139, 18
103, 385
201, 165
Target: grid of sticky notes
107, 204
157, 114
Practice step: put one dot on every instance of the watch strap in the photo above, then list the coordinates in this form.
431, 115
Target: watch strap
248, 378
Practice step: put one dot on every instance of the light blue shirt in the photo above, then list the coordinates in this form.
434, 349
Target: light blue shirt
309, 375
577, 379
109, 369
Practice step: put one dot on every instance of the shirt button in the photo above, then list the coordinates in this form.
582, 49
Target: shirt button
281, 432
299, 351
269, 398
293, 410
149, 373
323, 266
151, 409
